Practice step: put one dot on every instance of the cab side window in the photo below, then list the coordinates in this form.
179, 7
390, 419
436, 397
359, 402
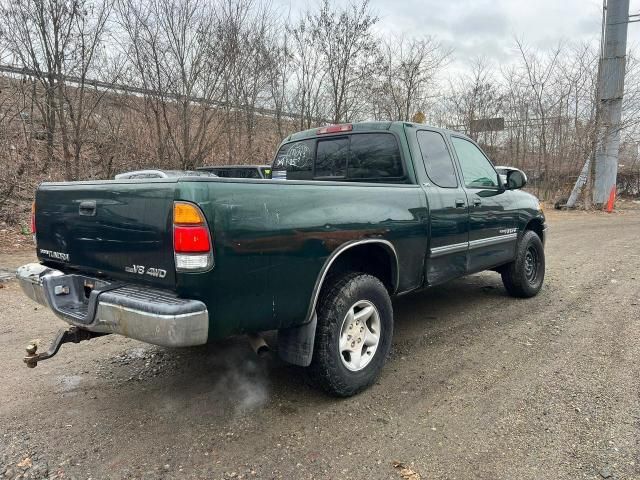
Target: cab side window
437, 159
477, 171
374, 157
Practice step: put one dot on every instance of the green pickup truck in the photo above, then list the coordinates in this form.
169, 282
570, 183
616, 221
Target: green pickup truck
354, 215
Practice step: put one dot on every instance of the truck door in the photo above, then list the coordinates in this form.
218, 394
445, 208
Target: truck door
448, 210
492, 221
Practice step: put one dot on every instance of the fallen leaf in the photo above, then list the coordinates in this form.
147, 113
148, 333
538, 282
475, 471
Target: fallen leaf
406, 472
25, 463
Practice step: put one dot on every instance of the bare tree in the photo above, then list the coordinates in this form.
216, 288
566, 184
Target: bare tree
278, 73
37, 34
174, 49
474, 96
80, 103
258, 49
308, 73
347, 46
17, 145
538, 72
55, 41
407, 76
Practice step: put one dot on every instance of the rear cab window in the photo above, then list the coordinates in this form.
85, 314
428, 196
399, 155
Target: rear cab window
357, 157
332, 155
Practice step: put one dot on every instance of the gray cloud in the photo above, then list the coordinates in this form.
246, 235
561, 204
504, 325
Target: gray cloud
488, 27
481, 23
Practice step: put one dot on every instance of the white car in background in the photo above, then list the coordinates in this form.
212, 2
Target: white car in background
139, 174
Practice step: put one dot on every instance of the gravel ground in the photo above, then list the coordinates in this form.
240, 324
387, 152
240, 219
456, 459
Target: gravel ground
478, 385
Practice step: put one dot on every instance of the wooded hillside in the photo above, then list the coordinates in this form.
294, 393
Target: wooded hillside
93, 88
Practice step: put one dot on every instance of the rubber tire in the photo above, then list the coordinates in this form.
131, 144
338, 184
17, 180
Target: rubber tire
513, 274
327, 370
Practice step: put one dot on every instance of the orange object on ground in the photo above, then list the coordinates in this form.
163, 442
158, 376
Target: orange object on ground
612, 200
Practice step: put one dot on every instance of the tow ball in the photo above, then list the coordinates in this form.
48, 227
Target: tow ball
72, 335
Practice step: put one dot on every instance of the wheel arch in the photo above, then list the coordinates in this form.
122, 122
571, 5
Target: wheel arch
356, 256
536, 225
295, 344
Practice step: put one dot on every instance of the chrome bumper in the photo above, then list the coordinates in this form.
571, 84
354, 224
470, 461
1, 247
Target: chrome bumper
146, 314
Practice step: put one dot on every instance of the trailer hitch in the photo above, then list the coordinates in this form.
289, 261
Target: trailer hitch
72, 335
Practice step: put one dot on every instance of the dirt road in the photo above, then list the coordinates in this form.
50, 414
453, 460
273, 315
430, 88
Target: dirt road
478, 386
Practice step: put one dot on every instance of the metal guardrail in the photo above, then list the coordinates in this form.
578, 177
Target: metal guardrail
130, 89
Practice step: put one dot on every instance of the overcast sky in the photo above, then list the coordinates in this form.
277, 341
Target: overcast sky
488, 27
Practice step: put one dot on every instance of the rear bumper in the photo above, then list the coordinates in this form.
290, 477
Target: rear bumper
146, 314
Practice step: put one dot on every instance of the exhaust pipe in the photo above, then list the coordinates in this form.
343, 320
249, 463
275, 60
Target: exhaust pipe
258, 344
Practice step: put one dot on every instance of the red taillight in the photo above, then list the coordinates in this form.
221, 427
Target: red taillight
33, 218
191, 239
346, 127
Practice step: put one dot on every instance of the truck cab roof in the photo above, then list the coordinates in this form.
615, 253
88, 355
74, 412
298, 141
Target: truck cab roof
367, 126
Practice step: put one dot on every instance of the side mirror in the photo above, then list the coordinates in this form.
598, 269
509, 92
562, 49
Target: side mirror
513, 178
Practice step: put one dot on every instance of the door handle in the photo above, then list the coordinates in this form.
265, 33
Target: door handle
459, 203
87, 208
477, 202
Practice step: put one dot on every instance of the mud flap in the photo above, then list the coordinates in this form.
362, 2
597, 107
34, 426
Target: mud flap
295, 344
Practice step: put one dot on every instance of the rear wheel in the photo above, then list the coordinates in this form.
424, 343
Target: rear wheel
524, 276
353, 338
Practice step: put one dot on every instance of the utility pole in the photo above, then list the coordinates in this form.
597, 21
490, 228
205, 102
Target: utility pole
610, 91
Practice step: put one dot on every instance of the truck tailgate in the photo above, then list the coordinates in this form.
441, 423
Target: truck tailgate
121, 229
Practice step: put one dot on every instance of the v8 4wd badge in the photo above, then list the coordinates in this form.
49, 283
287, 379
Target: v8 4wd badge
151, 271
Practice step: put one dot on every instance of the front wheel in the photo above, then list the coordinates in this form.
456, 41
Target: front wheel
524, 276
353, 337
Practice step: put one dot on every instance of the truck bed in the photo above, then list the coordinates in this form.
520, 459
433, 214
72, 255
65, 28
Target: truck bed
270, 238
